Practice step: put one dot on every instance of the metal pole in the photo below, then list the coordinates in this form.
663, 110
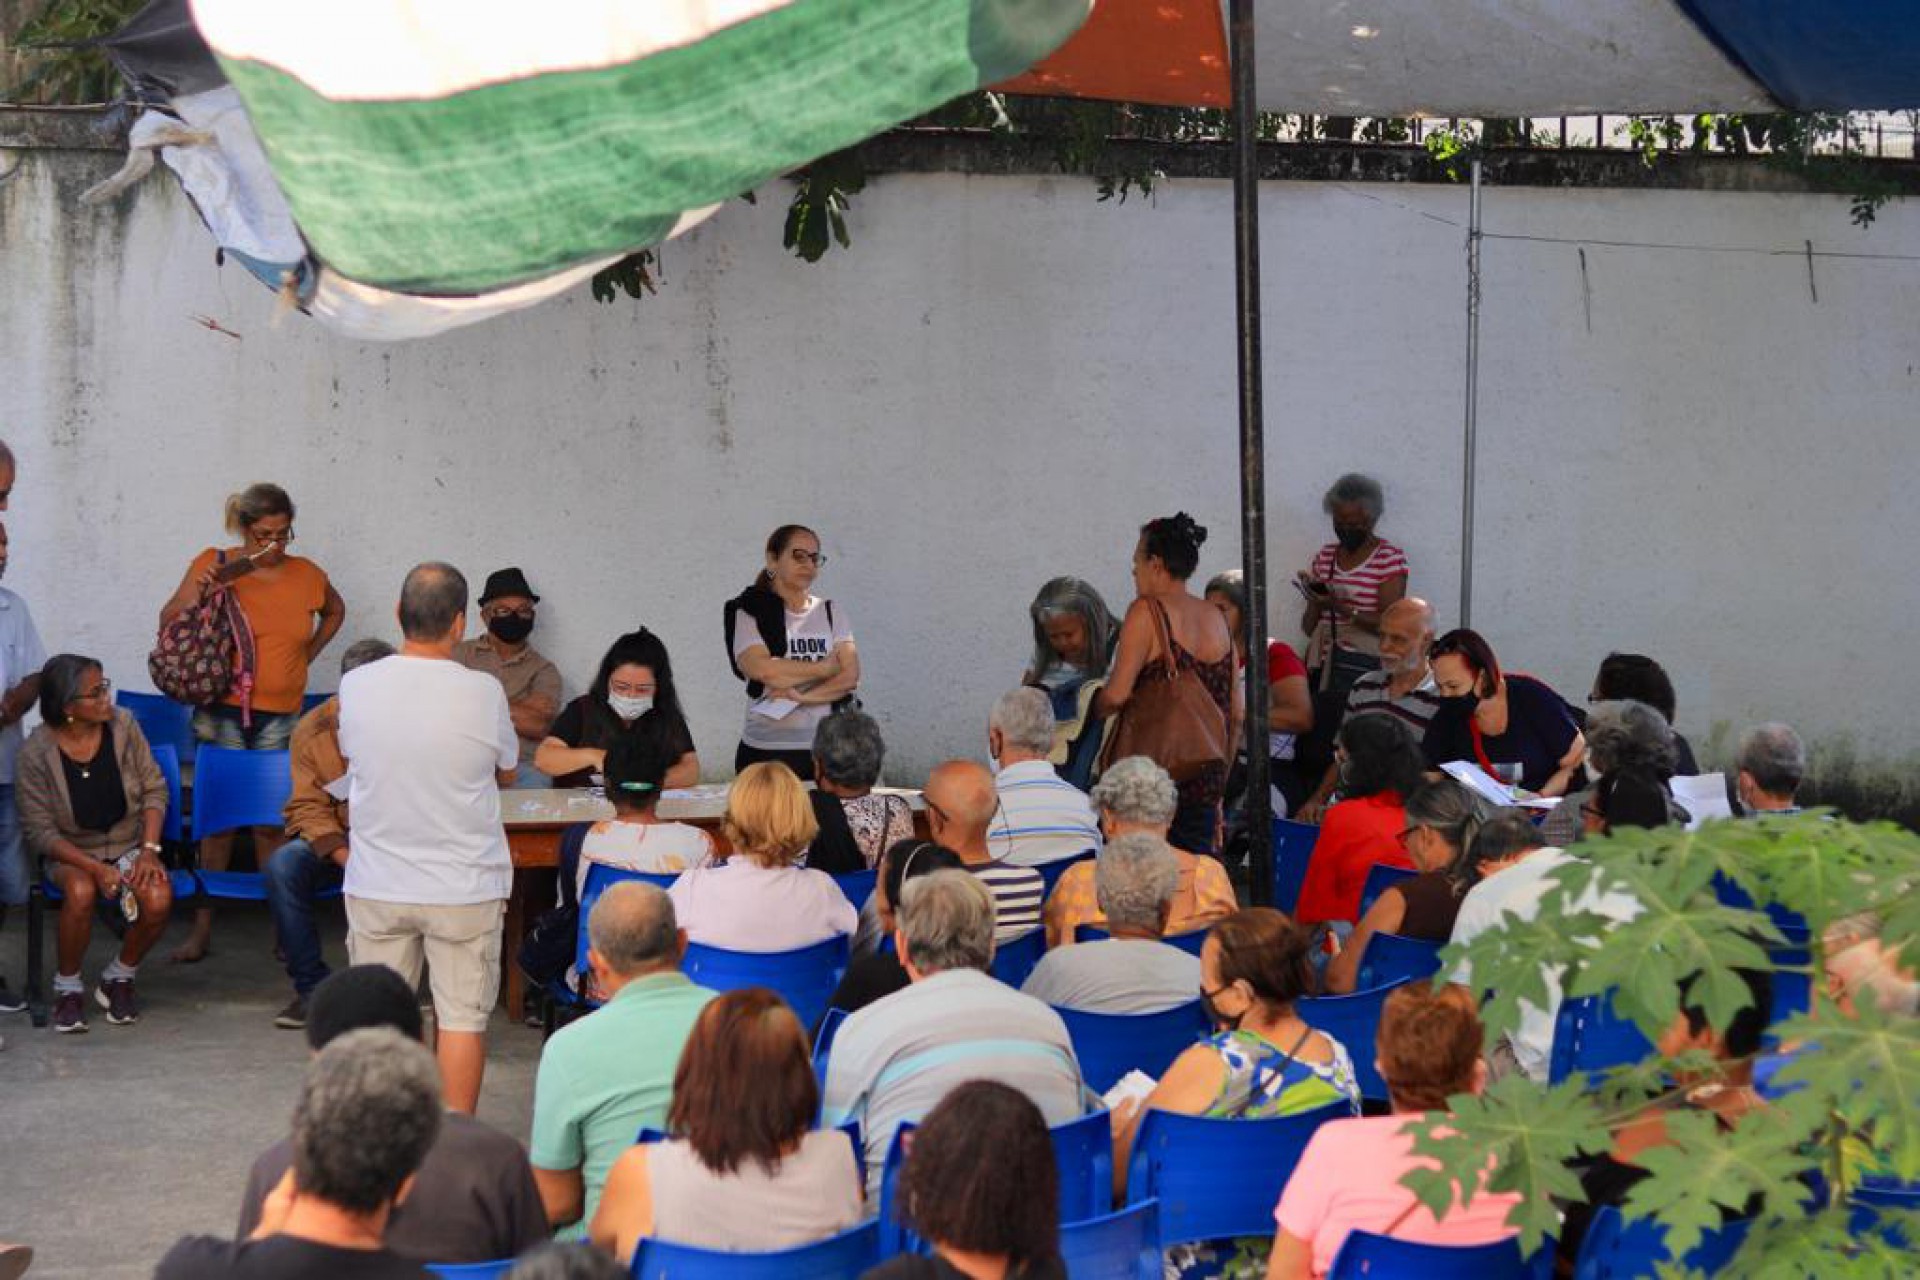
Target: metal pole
1473, 400
1258, 809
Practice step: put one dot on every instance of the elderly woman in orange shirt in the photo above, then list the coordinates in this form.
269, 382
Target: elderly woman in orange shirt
1136, 795
293, 611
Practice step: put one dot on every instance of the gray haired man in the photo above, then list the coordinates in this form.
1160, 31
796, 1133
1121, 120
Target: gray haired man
1042, 817
1772, 762
894, 1060
368, 1113
1132, 970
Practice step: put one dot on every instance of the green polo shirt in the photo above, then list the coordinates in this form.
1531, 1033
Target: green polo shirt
609, 1075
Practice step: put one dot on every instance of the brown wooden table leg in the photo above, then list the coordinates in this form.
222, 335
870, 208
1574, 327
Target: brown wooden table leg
532, 896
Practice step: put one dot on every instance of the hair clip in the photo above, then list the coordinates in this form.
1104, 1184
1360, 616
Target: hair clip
638, 786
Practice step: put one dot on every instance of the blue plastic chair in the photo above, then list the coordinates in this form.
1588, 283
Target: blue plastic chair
1614, 1248
471, 1270
858, 886
1589, 1036
839, 1257
173, 827
1218, 1178
1050, 872
1082, 1152
1292, 850
823, 1041
1875, 1194
1117, 1246
805, 977
1381, 877
231, 789
1014, 959
1353, 1020
1109, 1045
162, 720
1391, 957
1190, 942
600, 878
1368, 1255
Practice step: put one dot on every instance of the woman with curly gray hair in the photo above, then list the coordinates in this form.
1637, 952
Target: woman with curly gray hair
1620, 735
1352, 581
1135, 796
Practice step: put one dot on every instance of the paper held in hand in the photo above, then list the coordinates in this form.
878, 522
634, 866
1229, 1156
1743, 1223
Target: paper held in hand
775, 708
1491, 789
1703, 796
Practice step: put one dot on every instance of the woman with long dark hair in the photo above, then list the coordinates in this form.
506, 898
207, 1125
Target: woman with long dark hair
1380, 766
794, 650
632, 695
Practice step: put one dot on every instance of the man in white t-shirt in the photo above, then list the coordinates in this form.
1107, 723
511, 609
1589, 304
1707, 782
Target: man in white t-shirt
428, 744
1514, 885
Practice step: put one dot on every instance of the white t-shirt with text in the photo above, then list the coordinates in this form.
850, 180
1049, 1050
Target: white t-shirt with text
811, 637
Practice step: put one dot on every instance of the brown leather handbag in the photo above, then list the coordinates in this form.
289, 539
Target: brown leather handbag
1170, 719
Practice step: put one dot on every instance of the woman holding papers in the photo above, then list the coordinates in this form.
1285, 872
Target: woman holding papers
632, 695
1512, 726
794, 650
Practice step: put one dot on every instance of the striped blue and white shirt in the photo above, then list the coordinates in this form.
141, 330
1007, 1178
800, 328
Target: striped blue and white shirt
1042, 818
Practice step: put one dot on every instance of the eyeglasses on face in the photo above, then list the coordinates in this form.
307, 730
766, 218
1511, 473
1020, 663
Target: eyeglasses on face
102, 690
270, 537
504, 611
800, 555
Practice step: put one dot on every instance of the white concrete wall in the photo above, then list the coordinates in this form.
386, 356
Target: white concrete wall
997, 384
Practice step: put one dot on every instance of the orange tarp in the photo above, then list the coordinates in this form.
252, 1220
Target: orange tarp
1167, 52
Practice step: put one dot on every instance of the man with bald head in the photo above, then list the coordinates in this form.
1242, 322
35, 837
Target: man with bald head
1402, 687
961, 803
604, 1078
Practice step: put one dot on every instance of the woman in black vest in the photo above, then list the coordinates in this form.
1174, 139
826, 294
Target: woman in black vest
794, 650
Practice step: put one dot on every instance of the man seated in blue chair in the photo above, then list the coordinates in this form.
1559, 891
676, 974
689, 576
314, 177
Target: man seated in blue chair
894, 1060
1043, 818
314, 858
604, 1078
1135, 880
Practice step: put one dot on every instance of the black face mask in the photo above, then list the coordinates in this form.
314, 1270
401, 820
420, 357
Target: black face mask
1465, 703
1351, 539
1214, 1015
510, 628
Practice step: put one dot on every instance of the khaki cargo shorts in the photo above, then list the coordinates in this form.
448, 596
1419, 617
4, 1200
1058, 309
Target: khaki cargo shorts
459, 944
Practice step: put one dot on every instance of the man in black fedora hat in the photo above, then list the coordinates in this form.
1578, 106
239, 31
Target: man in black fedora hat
532, 683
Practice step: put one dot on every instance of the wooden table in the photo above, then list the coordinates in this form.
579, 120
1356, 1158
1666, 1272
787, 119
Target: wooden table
535, 820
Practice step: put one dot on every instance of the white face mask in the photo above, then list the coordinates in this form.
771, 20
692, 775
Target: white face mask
629, 708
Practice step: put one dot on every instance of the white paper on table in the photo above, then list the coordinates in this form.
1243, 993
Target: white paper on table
1133, 1086
775, 708
340, 787
1704, 796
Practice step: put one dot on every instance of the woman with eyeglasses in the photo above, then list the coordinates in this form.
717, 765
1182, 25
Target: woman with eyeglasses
91, 802
293, 611
632, 696
794, 650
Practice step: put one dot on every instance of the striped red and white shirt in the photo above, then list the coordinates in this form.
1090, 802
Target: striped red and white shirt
1359, 587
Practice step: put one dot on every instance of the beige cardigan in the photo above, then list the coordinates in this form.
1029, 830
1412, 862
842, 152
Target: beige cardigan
46, 810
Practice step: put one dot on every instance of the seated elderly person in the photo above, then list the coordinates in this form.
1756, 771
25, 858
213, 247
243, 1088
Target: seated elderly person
1348, 1179
1857, 967
604, 1078
894, 1060
761, 898
1634, 677
1132, 971
368, 1114
876, 973
1042, 819
1135, 795
473, 1200
1772, 761
960, 807
855, 824
91, 801
1620, 735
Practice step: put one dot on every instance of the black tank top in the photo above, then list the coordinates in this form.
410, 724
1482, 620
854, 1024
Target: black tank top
1431, 906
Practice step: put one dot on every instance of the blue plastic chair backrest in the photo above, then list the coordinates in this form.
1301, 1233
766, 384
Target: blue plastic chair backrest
1589, 1036
1116, 1246
1109, 1045
1389, 957
1082, 1152
1368, 1255
823, 1041
471, 1270
1050, 872
308, 701
858, 886
161, 720
1381, 876
1615, 1249
1734, 894
1190, 942
1014, 959
839, 1257
600, 878
805, 977
173, 826
233, 788
1353, 1020
1292, 850
1875, 1194
1219, 1178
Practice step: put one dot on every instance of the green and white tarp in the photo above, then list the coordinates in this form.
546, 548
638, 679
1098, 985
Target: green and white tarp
445, 160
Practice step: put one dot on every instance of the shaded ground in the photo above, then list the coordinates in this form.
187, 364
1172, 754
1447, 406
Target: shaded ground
115, 1143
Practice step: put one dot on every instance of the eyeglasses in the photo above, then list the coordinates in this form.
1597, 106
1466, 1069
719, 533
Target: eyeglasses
800, 555
103, 689
631, 690
279, 537
502, 611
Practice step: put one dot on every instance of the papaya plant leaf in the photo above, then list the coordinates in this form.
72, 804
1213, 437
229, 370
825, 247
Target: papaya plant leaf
1866, 1070
1701, 1176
